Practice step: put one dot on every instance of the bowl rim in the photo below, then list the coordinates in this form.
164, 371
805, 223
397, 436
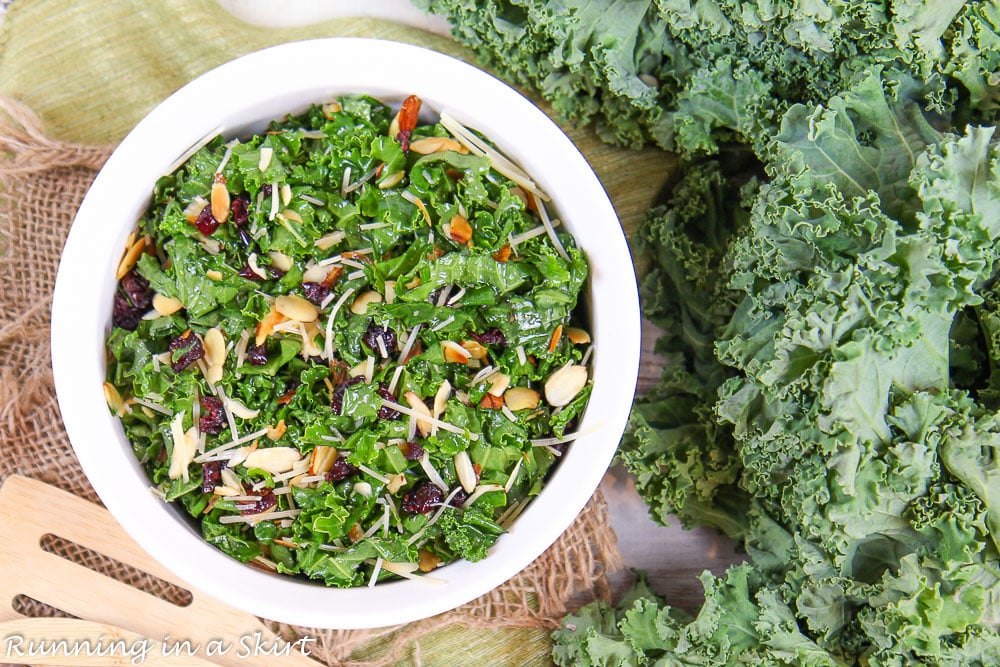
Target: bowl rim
119, 195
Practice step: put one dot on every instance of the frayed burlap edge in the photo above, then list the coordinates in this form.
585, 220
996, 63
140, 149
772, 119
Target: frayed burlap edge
42, 182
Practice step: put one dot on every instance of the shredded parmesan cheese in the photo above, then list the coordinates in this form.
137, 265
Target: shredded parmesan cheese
427, 418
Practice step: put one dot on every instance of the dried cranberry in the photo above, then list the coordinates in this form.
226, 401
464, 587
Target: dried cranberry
240, 210
385, 412
213, 419
316, 292
206, 222
459, 498
266, 189
340, 471
490, 337
374, 333
412, 451
211, 475
249, 274
131, 301
256, 354
337, 401
404, 139
193, 350
422, 498
266, 501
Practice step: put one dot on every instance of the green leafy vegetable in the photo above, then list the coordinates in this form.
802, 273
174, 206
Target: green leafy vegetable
300, 301
825, 272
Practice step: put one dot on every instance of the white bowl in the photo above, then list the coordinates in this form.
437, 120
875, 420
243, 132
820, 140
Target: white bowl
241, 96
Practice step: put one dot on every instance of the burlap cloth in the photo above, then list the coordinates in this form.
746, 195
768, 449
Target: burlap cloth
75, 76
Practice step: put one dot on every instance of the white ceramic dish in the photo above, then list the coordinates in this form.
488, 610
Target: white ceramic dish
242, 96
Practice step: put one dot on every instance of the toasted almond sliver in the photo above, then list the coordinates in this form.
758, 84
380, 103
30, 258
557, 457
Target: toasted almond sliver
441, 399
498, 383
466, 473
316, 273
213, 274
420, 408
266, 153
475, 349
396, 482
576, 336
563, 385
390, 291
460, 231
280, 260
130, 258
455, 353
166, 305
429, 145
360, 304
329, 240
213, 374
240, 410
391, 180
266, 325
521, 398
292, 215
220, 199
322, 459
114, 399
296, 308
275, 460
215, 347
278, 430
556, 337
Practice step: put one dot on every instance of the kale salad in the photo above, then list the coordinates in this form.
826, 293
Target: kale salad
350, 347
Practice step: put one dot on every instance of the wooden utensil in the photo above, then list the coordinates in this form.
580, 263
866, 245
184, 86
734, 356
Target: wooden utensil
31, 510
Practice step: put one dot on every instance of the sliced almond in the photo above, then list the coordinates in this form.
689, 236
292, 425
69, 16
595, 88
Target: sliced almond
475, 349
556, 337
114, 399
215, 347
391, 180
498, 383
292, 215
521, 398
359, 371
430, 145
576, 336
329, 240
240, 410
441, 399
225, 491
276, 431
275, 460
390, 291
396, 482
220, 199
166, 305
266, 326
266, 153
184, 447
466, 473
213, 274
360, 304
321, 460
296, 308
427, 561
491, 402
286, 195
213, 374
563, 385
455, 353
316, 273
280, 261
420, 408
255, 267
237, 458
363, 489
194, 209
459, 230
130, 258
